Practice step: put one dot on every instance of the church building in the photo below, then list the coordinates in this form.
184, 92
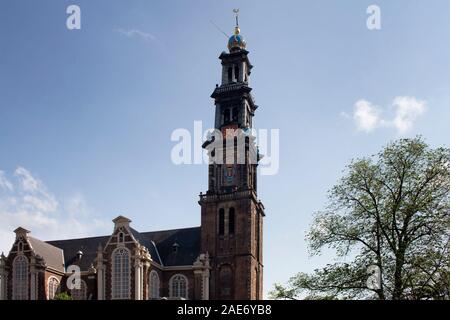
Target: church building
221, 259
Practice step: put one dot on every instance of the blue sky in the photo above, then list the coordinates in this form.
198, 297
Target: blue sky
86, 115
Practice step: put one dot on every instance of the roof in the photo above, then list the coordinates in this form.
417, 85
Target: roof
188, 249
53, 256
159, 244
88, 246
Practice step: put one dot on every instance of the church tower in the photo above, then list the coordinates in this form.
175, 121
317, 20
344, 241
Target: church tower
231, 214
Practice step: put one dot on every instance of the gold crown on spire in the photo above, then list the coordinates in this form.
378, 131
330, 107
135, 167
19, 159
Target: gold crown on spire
236, 41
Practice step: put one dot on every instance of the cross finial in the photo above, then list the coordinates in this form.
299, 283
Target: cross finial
236, 12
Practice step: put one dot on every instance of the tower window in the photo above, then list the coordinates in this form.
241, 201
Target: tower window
221, 222
230, 74
236, 73
231, 221
226, 115
235, 114
225, 281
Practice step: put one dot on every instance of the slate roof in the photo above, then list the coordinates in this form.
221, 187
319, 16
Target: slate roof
159, 243
188, 241
86, 245
53, 256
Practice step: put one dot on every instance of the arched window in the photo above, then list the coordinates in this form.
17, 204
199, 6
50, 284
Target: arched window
121, 274
231, 220
121, 237
20, 246
225, 281
235, 115
20, 278
230, 74
81, 293
178, 286
221, 221
226, 115
53, 287
236, 73
154, 285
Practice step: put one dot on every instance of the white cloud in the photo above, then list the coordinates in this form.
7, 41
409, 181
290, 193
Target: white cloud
407, 111
368, 116
27, 181
135, 33
26, 202
4, 182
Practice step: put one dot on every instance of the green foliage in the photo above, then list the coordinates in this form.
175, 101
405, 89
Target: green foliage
62, 296
391, 211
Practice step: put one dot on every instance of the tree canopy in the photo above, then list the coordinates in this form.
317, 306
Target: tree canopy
389, 215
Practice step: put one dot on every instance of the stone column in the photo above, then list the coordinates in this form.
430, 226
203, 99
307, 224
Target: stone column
206, 276
137, 280
201, 276
141, 289
205, 293
198, 283
146, 258
100, 274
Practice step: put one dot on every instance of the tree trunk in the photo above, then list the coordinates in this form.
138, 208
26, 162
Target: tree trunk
398, 281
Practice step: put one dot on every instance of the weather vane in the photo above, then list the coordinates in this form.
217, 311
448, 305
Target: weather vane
236, 12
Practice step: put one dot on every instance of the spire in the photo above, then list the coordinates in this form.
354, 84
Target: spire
236, 41
236, 28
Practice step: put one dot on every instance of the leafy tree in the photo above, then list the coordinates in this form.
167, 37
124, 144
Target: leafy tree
390, 214
62, 296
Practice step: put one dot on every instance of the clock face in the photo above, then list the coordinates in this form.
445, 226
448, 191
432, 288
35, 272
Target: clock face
229, 174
